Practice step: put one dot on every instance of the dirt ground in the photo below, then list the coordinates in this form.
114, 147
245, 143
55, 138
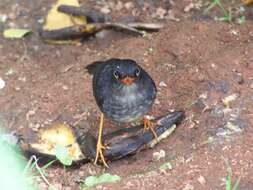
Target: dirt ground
196, 62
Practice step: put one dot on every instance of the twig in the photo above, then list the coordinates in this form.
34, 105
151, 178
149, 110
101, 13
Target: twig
35, 159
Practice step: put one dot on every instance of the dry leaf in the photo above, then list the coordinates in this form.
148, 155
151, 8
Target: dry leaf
15, 33
57, 135
57, 20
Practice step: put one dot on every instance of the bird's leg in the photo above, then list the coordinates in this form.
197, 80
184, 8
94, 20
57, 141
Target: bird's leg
148, 125
100, 146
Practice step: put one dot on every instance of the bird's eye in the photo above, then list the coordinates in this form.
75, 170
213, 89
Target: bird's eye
137, 72
116, 74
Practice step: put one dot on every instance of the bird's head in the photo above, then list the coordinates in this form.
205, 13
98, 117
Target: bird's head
126, 72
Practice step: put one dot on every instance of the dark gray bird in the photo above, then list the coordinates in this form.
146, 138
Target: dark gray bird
124, 92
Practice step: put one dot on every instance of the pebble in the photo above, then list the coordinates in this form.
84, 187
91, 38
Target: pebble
160, 13
65, 87
2, 83
162, 84
188, 187
157, 102
17, 88
189, 7
119, 6
159, 155
105, 10
129, 5
10, 72
201, 180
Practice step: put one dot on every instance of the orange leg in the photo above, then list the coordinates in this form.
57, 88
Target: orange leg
100, 146
148, 125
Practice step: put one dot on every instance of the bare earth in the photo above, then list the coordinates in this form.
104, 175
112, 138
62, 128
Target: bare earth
199, 62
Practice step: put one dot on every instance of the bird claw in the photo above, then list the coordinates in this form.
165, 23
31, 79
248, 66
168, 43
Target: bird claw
149, 125
99, 153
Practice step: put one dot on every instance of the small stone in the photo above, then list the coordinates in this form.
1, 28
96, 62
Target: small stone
23, 79
129, 5
105, 10
157, 102
10, 72
201, 180
119, 6
162, 84
2, 83
41, 21
189, 7
65, 87
203, 96
17, 88
160, 12
234, 32
158, 155
188, 187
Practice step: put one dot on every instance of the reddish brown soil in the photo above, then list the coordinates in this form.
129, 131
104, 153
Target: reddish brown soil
49, 84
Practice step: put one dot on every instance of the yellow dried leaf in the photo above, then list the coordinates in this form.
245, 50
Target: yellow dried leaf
57, 20
61, 135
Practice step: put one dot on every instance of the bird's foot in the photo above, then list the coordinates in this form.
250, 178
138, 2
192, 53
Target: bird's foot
149, 125
99, 153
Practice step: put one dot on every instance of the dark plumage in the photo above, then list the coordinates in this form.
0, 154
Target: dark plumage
123, 90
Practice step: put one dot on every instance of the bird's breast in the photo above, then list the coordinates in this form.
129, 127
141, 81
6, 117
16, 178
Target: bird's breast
128, 104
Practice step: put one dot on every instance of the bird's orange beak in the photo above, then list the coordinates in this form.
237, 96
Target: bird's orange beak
128, 80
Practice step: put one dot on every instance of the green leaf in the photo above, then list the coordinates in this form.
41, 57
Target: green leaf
104, 178
62, 155
228, 182
236, 185
15, 33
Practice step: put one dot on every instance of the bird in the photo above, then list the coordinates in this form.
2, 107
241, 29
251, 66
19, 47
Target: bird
124, 92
